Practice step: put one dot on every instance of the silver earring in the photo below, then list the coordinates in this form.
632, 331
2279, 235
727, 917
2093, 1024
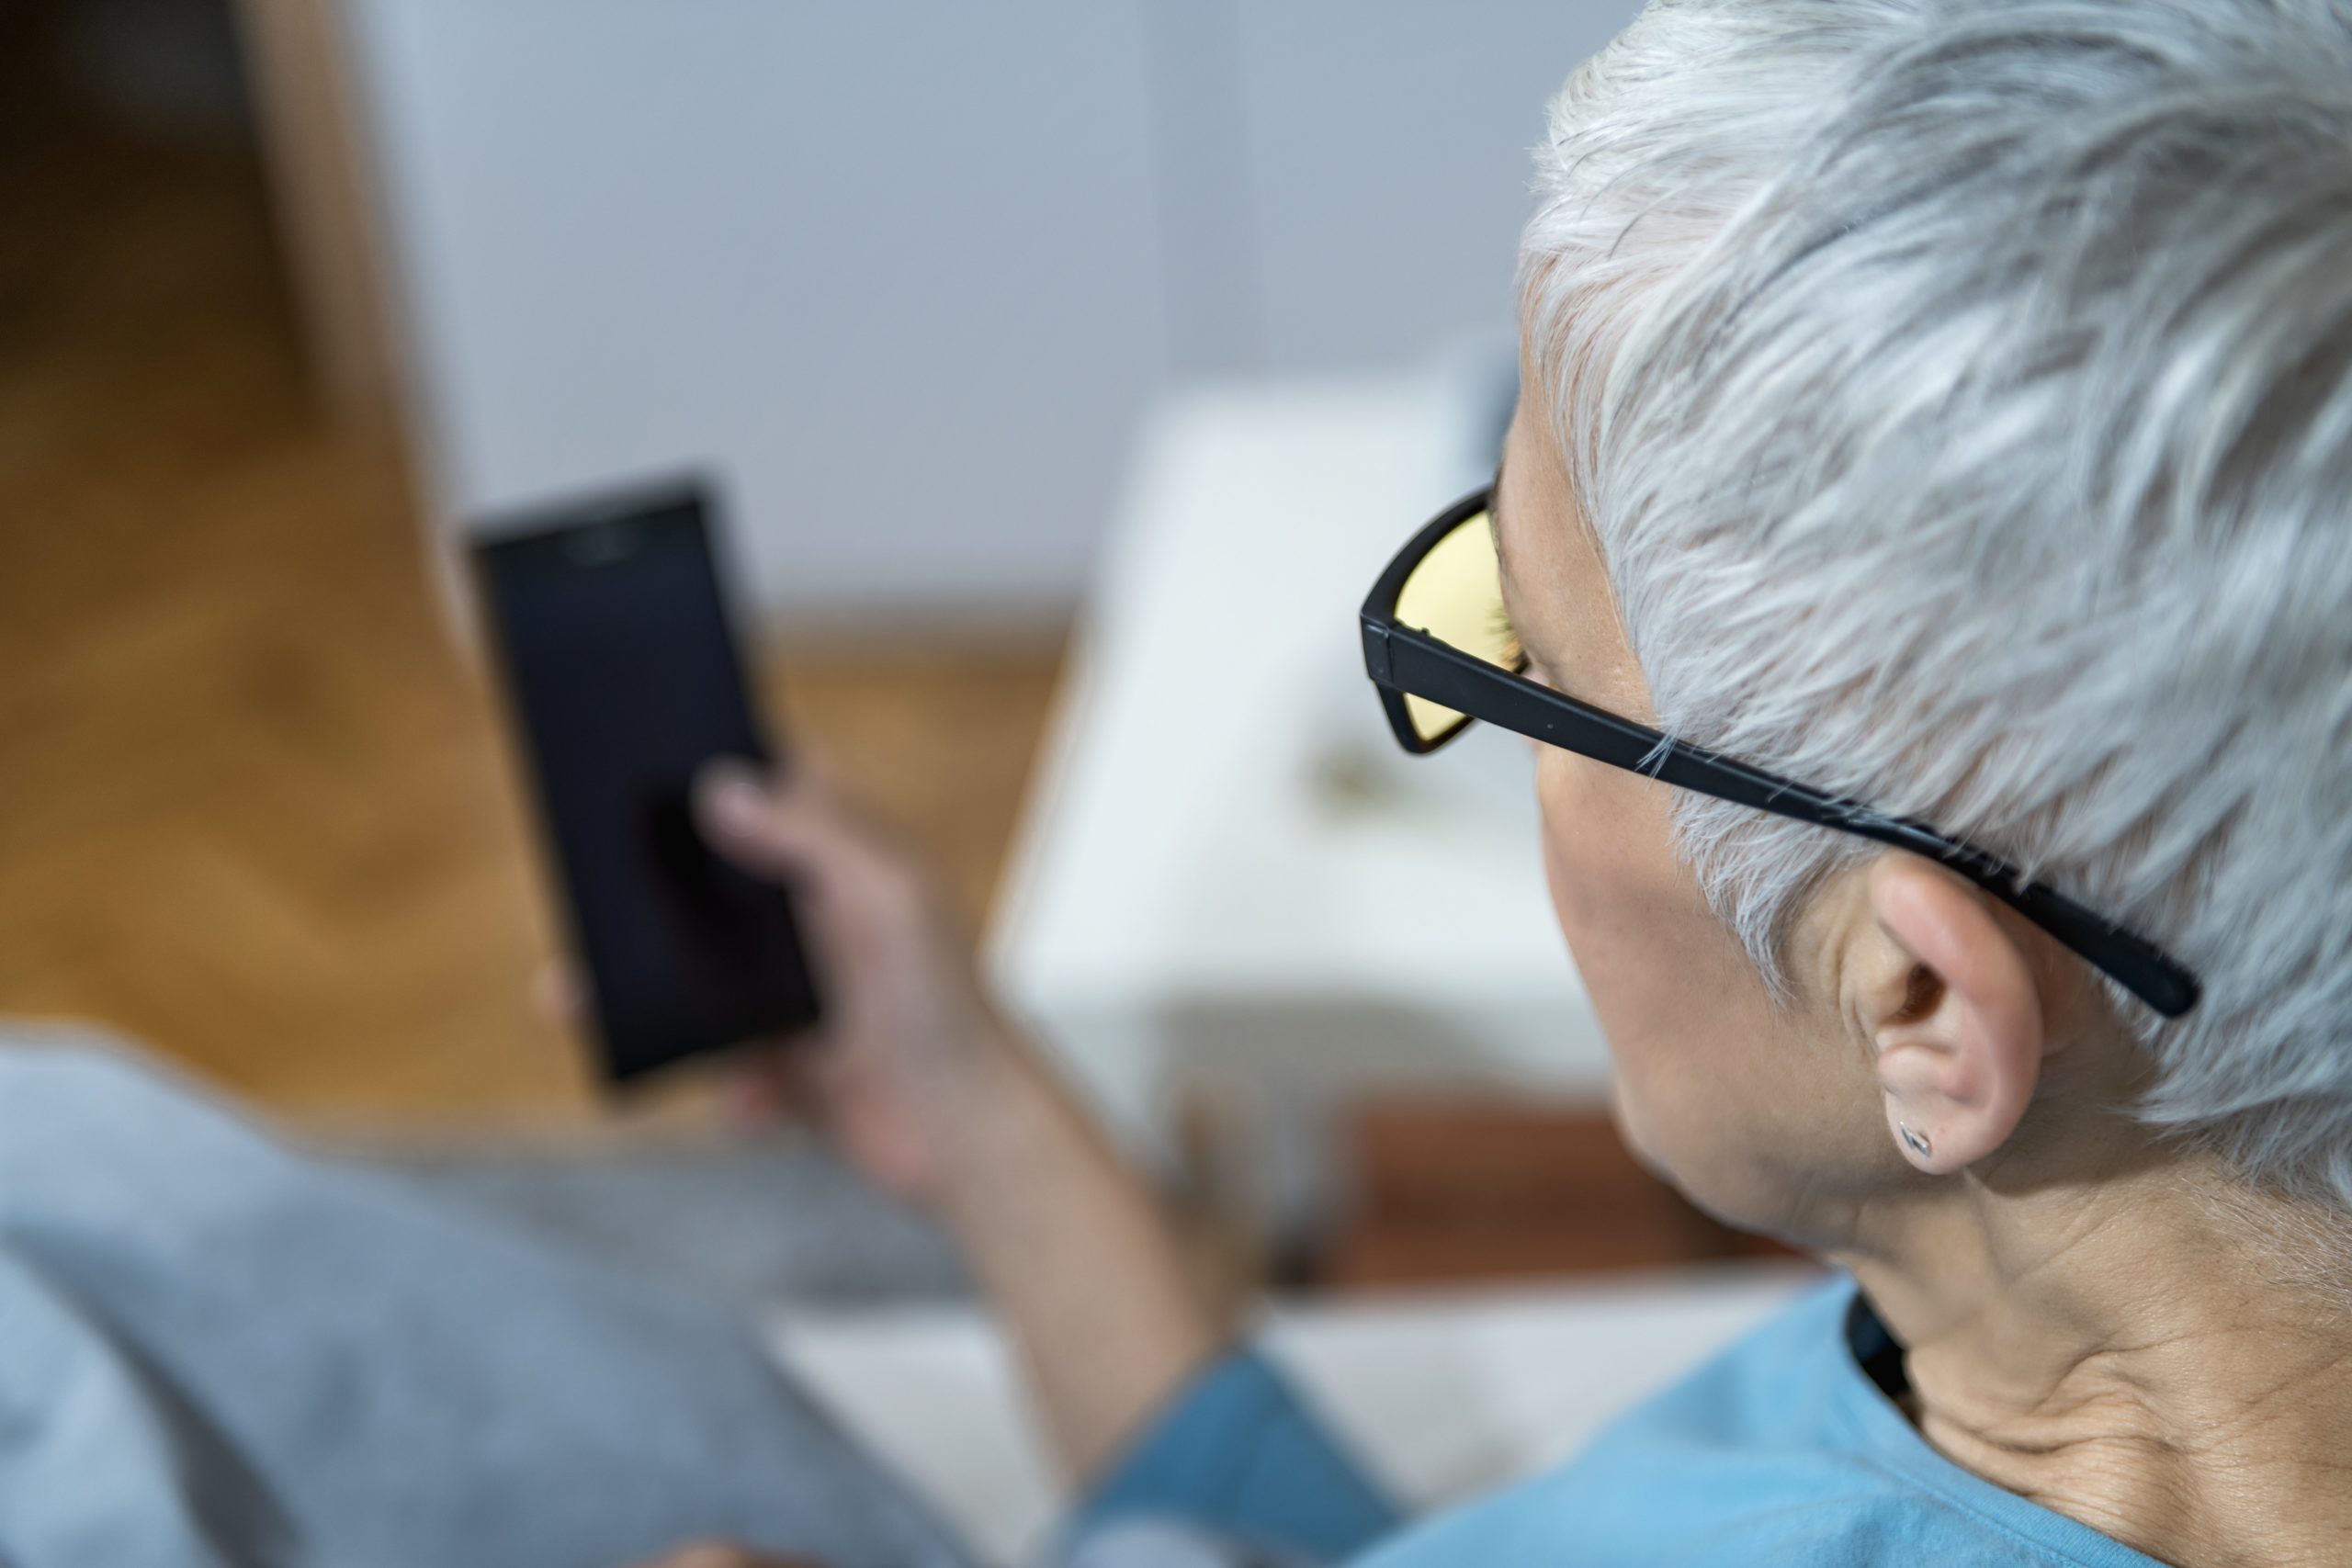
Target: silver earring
1915, 1142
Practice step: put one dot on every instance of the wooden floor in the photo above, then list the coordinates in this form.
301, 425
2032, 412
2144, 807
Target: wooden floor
253, 805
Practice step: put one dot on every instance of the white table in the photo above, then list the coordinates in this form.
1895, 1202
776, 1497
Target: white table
1229, 872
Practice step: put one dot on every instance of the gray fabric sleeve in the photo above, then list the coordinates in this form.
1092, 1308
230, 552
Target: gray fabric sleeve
217, 1354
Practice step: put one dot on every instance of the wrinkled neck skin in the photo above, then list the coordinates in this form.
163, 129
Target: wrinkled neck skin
2151, 1353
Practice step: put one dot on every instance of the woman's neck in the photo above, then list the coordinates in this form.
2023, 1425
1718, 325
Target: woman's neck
2155, 1356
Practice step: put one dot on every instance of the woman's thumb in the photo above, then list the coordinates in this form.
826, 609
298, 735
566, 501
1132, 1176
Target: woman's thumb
744, 821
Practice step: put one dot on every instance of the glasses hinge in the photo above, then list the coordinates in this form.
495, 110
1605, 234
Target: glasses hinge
1375, 652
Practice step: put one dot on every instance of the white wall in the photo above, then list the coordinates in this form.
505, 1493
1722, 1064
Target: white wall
902, 273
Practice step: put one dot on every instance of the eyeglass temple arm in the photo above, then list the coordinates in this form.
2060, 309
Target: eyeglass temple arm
1406, 659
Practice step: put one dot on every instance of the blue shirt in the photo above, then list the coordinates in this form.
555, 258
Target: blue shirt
1783, 1449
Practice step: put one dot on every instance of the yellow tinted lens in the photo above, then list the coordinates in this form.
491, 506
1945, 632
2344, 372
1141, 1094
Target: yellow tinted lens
1455, 594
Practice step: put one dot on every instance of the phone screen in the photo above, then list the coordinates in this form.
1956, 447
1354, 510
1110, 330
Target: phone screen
625, 682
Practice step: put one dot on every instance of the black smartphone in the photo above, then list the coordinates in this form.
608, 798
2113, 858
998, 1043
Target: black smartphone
623, 678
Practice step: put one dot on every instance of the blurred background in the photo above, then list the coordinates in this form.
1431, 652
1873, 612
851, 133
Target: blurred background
1067, 368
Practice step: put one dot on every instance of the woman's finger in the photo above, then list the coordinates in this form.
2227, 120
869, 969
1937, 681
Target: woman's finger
777, 1083
559, 994
795, 827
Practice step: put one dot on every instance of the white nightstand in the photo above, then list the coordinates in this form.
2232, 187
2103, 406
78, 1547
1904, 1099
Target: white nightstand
1229, 873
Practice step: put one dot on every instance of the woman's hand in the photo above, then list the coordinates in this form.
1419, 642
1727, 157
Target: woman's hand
925, 1091
909, 1038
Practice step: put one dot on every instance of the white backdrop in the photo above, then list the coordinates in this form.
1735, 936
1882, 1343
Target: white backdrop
902, 274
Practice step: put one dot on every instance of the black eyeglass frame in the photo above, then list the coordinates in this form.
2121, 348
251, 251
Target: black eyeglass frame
1403, 660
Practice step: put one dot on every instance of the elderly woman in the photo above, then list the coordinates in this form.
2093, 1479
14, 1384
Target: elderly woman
1921, 560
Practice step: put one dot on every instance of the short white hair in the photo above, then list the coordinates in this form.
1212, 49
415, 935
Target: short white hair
1962, 395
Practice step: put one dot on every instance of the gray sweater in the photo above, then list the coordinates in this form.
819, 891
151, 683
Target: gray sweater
217, 1354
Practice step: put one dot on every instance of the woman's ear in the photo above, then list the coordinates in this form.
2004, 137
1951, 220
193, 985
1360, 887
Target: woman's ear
1950, 1002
